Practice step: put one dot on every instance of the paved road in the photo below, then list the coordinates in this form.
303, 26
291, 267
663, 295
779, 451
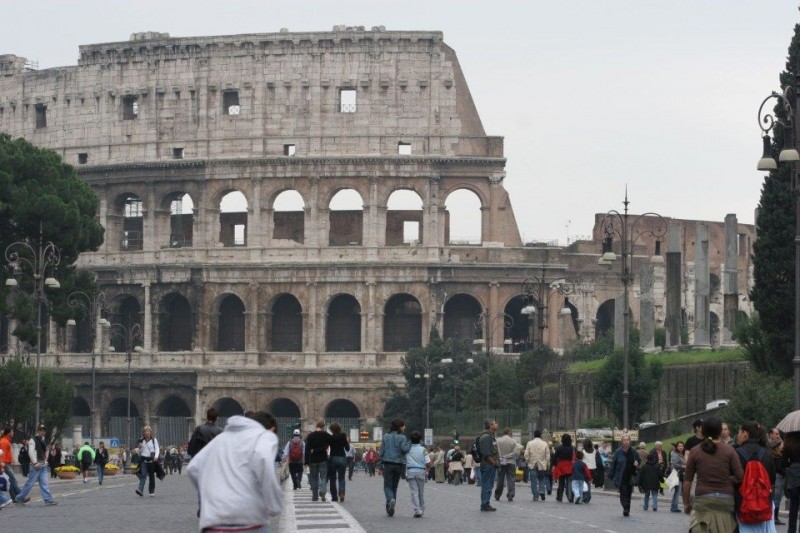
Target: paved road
114, 507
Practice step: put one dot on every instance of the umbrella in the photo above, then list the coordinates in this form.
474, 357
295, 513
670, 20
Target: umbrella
790, 422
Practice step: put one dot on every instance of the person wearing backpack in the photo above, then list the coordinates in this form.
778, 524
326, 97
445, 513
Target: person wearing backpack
754, 506
295, 452
713, 463
203, 433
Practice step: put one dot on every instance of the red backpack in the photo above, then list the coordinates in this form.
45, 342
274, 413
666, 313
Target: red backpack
755, 490
296, 452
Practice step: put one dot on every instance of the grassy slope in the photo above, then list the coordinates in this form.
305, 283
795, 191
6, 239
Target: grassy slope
694, 357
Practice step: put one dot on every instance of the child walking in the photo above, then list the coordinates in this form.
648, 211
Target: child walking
581, 477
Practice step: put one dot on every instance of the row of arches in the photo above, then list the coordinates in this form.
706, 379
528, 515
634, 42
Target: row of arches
177, 218
286, 321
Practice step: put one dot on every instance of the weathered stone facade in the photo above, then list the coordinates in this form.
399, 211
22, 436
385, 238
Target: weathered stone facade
305, 311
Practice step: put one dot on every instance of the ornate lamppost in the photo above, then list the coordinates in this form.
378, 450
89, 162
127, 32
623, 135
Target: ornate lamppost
538, 291
129, 335
424, 368
94, 307
789, 154
486, 325
616, 223
36, 259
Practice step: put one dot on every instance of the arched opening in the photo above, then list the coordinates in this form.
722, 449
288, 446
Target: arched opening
117, 421
175, 323
343, 325
233, 219
231, 325
286, 329
346, 219
460, 317
81, 414
130, 207
402, 323
181, 220
463, 218
82, 332
126, 312
287, 415
604, 319
345, 413
174, 421
519, 334
288, 218
403, 218
226, 408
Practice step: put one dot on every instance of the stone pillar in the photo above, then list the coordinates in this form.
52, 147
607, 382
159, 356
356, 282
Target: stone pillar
702, 317
251, 315
674, 319
647, 319
432, 222
311, 226
255, 236
730, 282
147, 333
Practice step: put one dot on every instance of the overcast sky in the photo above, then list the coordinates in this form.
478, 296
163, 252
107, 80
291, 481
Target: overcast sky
590, 95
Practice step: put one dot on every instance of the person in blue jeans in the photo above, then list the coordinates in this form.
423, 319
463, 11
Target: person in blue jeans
393, 456
39, 470
487, 443
338, 461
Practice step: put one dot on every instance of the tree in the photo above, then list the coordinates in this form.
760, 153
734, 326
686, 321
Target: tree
642, 383
40, 194
18, 386
773, 252
752, 338
761, 397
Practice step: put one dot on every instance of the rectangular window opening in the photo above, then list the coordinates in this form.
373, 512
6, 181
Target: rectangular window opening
230, 103
130, 107
41, 116
238, 235
404, 148
177, 153
83, 158
410, 232
288, 149
741, 245
347, 100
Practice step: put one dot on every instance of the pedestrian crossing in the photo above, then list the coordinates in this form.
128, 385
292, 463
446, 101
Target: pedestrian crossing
300, 514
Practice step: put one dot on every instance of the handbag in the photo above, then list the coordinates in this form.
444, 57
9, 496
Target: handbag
672, 480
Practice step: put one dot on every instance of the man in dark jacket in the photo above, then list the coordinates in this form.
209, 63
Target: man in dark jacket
488, 467
203, 433
316, 457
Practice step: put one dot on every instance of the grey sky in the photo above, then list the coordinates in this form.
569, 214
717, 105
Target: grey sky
589, 95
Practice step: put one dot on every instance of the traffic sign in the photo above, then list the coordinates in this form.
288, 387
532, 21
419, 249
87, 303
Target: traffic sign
428, 436
113, 443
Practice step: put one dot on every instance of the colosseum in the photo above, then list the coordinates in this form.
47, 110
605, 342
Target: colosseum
278, 217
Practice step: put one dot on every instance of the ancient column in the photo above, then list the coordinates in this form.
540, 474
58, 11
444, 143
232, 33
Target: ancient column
647, 319
702, 317
673, 265
730, 280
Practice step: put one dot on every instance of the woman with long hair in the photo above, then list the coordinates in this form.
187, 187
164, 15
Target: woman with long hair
562, 467
338, 460
148, 454
716, 467
393, 455
751, 439
677, 462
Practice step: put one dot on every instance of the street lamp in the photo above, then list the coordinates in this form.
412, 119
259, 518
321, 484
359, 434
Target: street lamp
424, 368
788, 154
94, 308
129, 335
628, 233
485, 325
38, 258
538, 290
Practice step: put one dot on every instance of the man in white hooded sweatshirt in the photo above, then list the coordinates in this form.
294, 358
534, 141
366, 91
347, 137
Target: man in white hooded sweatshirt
235, 476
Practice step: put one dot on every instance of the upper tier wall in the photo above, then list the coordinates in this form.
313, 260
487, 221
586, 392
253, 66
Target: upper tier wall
141, 100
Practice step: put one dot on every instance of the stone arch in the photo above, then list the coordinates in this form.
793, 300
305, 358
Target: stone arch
128, 209
605, 318
227, 407
288, 216
233, 213
460, 316
126, 311
402, 323
346, 218
173, 421
404, 218
80, 407
343, 324
341, 408
230, 324
117, 407
285, 328
173, 405
284, 408
178, 208
520, 332
175, 322
463, 222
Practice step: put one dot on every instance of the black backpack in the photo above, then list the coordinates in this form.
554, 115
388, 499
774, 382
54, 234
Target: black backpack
475, 449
